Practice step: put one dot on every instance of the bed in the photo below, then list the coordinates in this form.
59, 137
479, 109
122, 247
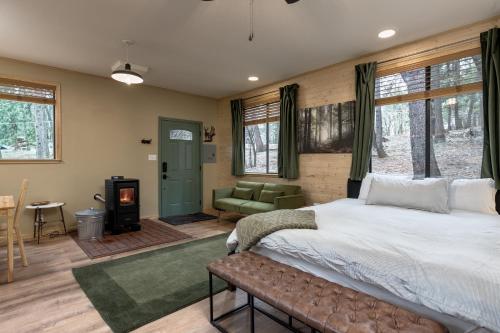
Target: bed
443, 266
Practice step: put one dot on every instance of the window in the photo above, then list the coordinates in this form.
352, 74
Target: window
261, 138
181, 135
429, 119
29, 121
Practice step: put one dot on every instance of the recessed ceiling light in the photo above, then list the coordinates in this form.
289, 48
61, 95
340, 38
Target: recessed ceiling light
386, 33
253, 78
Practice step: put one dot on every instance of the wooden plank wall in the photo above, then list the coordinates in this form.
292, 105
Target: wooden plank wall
324, 176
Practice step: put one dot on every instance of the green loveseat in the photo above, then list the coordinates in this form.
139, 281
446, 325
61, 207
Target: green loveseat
278, 196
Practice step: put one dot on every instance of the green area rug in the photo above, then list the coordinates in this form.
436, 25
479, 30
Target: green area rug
133, 291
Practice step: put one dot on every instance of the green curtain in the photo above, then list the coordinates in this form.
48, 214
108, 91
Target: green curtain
364, 119
490, 56
238, 160
288, 153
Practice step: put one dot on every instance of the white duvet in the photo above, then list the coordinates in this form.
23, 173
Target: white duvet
447, 262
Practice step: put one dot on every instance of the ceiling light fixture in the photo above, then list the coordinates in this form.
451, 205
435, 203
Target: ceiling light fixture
251, 35
386, 33
253, 78
127, 75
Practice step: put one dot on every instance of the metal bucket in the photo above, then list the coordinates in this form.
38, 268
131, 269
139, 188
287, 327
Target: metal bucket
90, 224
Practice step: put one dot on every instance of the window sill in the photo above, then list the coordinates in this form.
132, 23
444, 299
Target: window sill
30, 161
271, 175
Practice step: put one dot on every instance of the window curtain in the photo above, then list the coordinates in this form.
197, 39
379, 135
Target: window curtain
238, 159
490, 56
364, 120
288, 153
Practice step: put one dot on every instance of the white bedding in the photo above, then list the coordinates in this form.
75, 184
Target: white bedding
449, 263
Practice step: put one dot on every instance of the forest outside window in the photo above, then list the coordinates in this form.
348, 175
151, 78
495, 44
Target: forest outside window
429, 120
261, 138
29, 121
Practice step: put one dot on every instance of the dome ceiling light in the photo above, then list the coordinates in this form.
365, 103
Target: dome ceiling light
126, 74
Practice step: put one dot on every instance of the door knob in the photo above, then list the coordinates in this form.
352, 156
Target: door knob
164, 177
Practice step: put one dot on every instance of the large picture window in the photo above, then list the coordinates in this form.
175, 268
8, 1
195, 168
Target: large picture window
429, 119
261, 138
29, 121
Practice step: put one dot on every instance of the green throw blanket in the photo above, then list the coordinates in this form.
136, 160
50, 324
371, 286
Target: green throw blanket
251, 229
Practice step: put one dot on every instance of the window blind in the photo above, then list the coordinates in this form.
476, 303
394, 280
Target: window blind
27, 92
430, 80
262, 113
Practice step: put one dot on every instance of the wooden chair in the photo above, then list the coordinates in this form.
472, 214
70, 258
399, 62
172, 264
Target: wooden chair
17, 221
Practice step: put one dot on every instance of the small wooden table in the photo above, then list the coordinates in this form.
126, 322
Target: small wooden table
8, 205
39, 220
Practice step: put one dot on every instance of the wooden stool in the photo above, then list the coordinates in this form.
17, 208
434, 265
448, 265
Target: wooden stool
39, 219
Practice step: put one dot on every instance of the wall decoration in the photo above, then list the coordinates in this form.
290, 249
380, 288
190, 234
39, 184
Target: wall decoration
209, 134
327, 128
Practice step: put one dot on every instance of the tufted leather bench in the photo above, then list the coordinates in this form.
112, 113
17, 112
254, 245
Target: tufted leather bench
322, 305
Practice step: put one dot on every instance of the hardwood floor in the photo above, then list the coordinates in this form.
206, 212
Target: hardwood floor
45, 297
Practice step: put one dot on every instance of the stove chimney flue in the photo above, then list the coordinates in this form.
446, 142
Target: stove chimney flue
98, 197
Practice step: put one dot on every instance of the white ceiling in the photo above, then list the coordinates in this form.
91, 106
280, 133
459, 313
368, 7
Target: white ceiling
202, 47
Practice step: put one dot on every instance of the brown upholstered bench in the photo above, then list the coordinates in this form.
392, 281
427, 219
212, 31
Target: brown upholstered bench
321, 305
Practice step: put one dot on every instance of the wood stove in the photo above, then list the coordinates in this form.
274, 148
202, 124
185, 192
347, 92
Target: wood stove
122, 204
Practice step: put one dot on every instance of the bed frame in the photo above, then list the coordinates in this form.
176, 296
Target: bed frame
353, 187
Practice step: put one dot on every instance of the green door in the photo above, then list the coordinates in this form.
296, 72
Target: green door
180, 167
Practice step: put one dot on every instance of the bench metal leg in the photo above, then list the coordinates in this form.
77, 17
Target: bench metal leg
211, 293
252, 314
278, 320
250, 304
214, 321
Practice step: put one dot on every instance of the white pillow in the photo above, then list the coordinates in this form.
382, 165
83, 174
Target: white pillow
476, 195
429, 194
367, 181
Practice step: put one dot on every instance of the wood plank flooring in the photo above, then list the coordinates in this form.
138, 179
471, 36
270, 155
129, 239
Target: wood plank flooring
45, 297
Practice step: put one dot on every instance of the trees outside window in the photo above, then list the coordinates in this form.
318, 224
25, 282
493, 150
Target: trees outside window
27, 121
261, 139
428, 121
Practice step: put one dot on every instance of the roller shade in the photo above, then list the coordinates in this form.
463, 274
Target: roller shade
262, 114
432, 80
27, 92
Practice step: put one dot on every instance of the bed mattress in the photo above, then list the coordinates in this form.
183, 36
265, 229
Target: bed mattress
444, 266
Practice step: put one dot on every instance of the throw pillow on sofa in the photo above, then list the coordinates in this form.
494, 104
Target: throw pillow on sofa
242, 193
268, 196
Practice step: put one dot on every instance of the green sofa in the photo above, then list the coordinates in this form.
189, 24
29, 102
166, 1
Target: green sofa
290, 197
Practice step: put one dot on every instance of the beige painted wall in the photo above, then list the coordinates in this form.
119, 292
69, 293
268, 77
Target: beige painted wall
102, 124
324, 176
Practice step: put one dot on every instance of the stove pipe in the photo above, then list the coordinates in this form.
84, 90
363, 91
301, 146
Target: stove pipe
98, 197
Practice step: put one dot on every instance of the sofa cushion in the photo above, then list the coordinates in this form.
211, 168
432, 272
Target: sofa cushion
287, 189
268, 196
254, 207
229, 204
257, 187
242, 193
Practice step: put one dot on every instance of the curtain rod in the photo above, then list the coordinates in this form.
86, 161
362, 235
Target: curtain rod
393, 59
263, 94
430, 50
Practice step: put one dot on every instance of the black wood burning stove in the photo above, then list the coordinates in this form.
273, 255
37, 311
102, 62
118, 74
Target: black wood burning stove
122, 204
